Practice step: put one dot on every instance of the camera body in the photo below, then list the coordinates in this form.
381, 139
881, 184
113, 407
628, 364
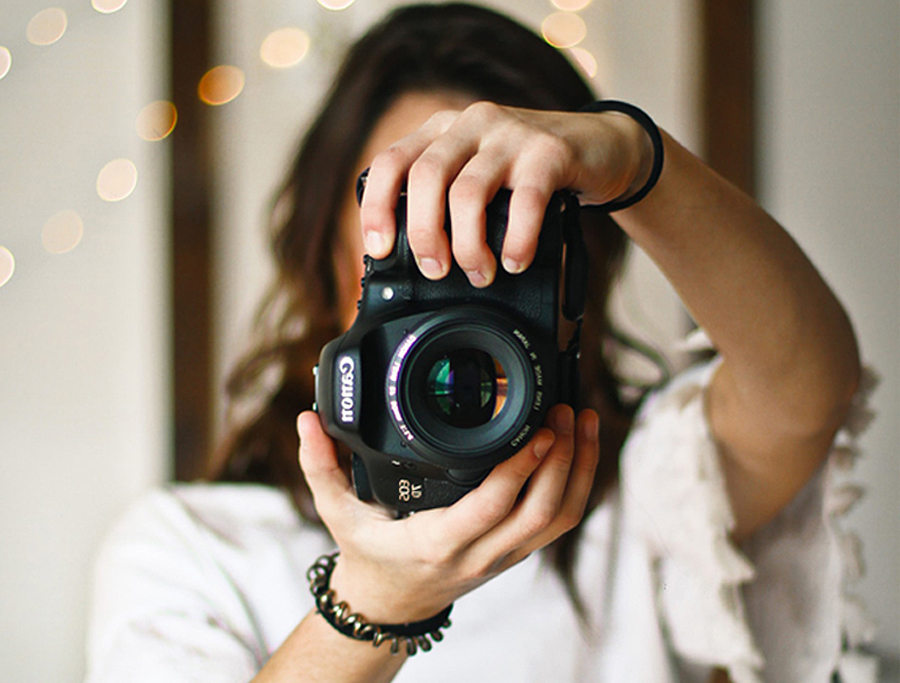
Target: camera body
436, 382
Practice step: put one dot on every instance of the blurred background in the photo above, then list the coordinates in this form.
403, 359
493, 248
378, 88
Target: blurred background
141, 143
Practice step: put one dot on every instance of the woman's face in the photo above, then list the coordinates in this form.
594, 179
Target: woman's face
408, 113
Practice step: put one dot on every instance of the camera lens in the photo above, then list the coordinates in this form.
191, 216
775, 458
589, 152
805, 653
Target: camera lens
466, 388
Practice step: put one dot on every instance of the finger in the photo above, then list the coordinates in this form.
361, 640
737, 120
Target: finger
579, 486
319, 462
527, 207
469, 195
539, 508
387, 174
489, 504
544, 167
429, 179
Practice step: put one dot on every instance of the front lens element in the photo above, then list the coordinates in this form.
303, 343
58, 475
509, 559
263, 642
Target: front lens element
466, 388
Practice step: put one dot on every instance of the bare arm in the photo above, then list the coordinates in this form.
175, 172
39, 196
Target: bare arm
790, 358
315, 652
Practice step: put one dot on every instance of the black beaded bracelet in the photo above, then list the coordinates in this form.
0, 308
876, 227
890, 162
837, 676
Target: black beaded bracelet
647, 124
414, 634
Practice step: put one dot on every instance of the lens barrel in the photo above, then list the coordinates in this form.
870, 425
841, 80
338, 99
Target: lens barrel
465, 389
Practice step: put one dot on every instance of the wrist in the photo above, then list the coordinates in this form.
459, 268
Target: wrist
379, 600
636, 153
408, 636
640, 155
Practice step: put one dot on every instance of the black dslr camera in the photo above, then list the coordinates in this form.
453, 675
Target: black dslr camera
437, 382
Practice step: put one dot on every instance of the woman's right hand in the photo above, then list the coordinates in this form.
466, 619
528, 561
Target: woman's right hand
398, 571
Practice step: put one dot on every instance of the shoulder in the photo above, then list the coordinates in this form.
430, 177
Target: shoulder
225, 510
194, 580
202, 529
204, 559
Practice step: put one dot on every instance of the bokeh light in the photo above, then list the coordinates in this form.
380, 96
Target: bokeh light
47, 26
7, 265
336, 4
5, 61
117, 180
563, 29
62, 232
108, 6
221, 84
585, 60
156, 121
285, 47
570, 5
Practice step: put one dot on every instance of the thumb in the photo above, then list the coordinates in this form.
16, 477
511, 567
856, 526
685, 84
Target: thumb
319, 462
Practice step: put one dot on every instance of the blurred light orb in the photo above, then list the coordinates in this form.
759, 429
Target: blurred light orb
563, 29
336, 5
7, 265
5, 61
570, 5
221, 84
285, 47
156, 121
108, 6
117, 180
47, 26
585, 60
62, 232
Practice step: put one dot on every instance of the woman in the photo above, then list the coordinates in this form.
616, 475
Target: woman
207, 582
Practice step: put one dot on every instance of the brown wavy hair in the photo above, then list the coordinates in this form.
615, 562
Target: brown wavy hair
450, 47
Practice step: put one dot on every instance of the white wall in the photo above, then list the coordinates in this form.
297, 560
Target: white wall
83, 335
830, 168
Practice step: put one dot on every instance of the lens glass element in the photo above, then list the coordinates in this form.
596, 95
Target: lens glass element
466, 388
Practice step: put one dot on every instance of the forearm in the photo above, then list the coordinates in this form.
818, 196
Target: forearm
787, 341
316, 652
790, 357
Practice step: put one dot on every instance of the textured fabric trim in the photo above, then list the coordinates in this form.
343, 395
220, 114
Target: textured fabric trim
679, 505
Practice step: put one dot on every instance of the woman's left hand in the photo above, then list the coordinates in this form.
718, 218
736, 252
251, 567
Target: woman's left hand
467, 156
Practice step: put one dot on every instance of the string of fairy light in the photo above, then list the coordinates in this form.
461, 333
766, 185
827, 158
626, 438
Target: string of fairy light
282, 48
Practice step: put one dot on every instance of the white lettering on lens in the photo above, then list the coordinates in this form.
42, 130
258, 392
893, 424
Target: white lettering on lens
346, 366
518, 334
520, 437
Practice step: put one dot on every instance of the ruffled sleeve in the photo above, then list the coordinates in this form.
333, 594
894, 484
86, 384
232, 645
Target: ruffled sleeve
777, 609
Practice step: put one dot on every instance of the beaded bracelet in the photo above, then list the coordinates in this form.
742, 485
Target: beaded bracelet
414, 634
641, 117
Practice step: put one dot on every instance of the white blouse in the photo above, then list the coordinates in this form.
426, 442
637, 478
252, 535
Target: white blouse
200, 583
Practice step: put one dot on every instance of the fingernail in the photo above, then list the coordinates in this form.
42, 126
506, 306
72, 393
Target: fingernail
565, 421
542, 447
511, 265
303, 421
592, 428
431, 268
375, 243
477, 278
